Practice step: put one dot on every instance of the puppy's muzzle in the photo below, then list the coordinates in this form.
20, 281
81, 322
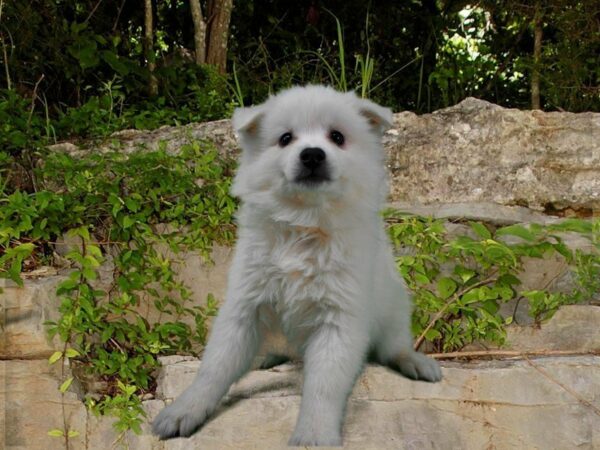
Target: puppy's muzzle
313, 166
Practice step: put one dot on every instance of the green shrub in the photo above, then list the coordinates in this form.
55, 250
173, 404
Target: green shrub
459, 283
142, 211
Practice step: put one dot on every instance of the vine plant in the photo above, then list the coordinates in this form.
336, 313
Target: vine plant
459, 283
137, 213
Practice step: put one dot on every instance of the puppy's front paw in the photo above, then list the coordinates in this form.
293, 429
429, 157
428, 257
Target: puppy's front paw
182, 418
316, 431
314, 440
417, 366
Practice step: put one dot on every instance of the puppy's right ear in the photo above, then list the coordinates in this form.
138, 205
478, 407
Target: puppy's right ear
246, 121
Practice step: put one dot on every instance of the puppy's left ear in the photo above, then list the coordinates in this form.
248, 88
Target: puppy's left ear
379, 118
246, 121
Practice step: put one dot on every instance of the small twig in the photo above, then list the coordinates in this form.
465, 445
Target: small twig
118, 15
116, 344
89, 242
33, 99
451, 300
566, 388
93, 11
499, 354
5, 53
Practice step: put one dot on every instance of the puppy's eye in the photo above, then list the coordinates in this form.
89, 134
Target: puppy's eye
337, 137
285, 139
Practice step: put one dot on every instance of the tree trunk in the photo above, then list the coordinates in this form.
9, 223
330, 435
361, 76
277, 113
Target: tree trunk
537, 56
149, 46
199, 31
219, 15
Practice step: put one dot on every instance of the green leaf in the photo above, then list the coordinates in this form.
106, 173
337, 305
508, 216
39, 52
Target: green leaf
132, 204
113, 60
516, 230
508, 279
94, 251
464, 273
56, 433
432, 334
477, 295
481, 230
128, 222
67, 285
73, 433
82, 232
491, 306
55, 357
446, 287
89, 274
71, 353
66, 384
576, 225
421, 279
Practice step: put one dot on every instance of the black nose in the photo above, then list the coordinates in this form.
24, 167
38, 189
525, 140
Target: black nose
312, 157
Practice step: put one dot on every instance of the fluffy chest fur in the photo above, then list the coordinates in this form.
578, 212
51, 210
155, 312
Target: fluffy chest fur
299, 264
300, 276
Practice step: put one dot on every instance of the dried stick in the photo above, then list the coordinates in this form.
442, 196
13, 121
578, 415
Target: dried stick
499, 354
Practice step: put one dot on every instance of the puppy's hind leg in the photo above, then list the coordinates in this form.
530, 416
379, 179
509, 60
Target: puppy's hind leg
395, 348
399, 356
230, 350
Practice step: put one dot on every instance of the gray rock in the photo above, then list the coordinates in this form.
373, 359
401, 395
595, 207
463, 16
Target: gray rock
497, 404
474, 151
25, 309
573, 327
483, 404
483, 211
479, 152
30, 404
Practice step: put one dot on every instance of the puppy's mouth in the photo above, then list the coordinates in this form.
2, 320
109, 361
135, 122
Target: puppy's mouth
312, 177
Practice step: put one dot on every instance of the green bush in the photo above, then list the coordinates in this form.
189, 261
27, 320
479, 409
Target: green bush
459, 283
140, 210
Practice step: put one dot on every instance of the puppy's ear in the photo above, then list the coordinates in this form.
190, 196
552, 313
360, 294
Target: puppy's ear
379, 118
246, 121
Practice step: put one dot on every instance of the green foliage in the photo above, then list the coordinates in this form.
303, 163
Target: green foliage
459, 283
202, 95
465, 62
126, 406
95, 75
19, 127
139, 211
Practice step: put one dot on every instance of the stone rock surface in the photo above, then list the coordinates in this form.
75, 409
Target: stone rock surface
480, 152
30, 404
500, 405
474, 151
23, 334
483, 211
573, 327
488, 404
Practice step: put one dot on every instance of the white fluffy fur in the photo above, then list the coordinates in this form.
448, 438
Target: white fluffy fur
311, 261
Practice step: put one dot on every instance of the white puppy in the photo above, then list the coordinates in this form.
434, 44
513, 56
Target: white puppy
312, 260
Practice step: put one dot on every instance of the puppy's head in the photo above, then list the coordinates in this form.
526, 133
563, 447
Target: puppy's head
311, 144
